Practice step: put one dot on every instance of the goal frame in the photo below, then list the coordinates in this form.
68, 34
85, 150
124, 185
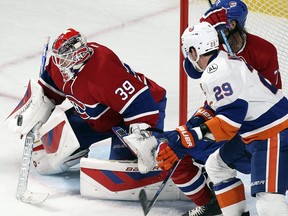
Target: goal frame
183, 82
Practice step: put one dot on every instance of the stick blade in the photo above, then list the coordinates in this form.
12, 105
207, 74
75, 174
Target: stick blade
32, 198
144, 201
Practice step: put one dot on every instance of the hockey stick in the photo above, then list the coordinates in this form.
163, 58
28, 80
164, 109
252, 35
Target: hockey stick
143, 196
22, 193
121, 133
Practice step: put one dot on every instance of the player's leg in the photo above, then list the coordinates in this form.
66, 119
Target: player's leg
269, 176
229, 190
190, 179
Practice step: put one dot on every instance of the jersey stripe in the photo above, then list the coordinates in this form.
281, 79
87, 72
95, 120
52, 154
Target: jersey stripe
266, 131
133, 98
220, 129
272, 164
141, 115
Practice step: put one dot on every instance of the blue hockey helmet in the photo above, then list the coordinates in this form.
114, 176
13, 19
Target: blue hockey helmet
236, 10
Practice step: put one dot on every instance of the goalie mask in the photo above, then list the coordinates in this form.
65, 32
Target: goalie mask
203, 38
69, 53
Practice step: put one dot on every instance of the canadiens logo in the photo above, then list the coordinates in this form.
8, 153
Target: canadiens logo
232, 4
212, 68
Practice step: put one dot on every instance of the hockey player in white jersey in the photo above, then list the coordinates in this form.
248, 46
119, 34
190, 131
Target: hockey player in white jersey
244, 103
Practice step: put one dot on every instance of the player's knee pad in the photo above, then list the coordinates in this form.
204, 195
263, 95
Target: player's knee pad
217, 169
268, 204
59, 148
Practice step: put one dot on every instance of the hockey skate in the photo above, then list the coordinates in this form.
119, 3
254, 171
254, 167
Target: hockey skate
212, 208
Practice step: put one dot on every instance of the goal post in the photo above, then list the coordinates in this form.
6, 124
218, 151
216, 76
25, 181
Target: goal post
183, 89
266, 18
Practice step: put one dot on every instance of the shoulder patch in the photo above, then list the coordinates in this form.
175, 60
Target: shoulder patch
212, 68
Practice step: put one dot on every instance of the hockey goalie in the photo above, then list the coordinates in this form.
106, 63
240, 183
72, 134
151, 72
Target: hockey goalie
102, 92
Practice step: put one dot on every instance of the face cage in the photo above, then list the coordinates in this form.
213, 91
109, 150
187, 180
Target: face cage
64, 61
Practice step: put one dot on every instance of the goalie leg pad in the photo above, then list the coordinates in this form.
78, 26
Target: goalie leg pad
121, 180
61, 149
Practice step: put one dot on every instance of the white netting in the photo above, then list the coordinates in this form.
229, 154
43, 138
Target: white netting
267, 19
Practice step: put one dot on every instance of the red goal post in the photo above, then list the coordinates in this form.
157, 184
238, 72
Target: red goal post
266, 18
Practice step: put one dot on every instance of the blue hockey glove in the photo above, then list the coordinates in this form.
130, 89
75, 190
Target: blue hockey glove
200, 116
176, 145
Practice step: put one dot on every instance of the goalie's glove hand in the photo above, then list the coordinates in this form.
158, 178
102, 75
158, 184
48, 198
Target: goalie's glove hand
176, 145
140, 128
143, 144
217, 17
200, 116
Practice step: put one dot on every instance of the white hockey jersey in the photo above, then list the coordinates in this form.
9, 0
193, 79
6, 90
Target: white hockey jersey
243, 100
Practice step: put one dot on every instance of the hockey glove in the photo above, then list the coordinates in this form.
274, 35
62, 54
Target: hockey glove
200, 116
217, 17
34, 109
143, 144
176, 145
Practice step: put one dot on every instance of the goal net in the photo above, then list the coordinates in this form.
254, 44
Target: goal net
267, 19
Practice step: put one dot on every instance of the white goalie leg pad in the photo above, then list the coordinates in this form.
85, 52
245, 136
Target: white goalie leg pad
121, 180
144, 147
58, 143
33, 108
217, 170
268, 204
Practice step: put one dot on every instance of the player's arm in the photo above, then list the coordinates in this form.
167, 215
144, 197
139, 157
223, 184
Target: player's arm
129, 95
48, 84
270, 66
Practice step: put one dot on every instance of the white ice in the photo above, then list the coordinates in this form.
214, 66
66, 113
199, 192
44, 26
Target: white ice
145, 34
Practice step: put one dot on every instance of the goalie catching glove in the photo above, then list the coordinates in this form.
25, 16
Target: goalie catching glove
34, 108
143, 144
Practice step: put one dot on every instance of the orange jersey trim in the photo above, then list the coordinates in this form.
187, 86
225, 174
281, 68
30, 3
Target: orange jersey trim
220, 129
266, 134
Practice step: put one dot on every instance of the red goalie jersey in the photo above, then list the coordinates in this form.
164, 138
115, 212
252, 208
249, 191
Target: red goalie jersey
105, 91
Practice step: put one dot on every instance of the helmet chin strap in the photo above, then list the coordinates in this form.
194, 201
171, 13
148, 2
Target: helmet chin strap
195, 64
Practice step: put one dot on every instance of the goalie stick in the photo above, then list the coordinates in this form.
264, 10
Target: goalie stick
143, 196
121, 133
22, 193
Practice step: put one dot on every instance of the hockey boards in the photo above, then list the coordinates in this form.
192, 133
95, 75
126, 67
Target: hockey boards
121, 180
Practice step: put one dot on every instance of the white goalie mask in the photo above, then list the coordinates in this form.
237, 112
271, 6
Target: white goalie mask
70, 52
203, 37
